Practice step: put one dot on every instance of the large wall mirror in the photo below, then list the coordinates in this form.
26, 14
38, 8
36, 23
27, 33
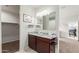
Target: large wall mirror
48, 21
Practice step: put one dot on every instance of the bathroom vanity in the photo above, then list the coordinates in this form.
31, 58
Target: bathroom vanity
42, 44
43, 38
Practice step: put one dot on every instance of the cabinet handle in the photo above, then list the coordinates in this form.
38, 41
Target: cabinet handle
53, 43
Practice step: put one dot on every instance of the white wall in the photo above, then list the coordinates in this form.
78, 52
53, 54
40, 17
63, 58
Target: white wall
28, 10
68, 15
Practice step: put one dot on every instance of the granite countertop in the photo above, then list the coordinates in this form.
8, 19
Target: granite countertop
44, 35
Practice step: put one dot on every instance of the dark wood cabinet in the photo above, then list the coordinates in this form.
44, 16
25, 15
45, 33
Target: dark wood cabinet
42, 45
32, 42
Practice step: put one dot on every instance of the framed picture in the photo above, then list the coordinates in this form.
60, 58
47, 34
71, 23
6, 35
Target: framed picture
27, 18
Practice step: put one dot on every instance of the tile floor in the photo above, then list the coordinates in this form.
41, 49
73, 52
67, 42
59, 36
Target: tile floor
28, 50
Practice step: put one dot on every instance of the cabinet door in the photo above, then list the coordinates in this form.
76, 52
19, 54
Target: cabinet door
42, 46
32, 42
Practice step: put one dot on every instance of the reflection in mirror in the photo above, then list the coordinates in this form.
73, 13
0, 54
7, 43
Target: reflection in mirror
51, 21
48, 21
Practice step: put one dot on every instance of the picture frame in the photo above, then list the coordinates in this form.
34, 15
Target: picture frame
27, 18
